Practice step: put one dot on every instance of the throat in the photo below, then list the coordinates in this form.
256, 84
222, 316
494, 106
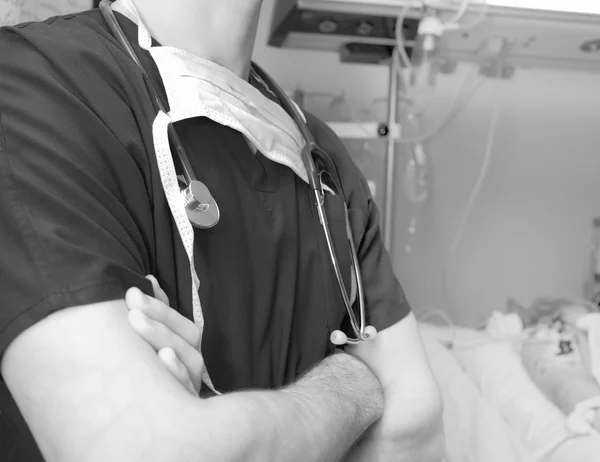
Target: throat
205, 28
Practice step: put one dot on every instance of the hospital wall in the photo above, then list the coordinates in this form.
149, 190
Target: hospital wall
529, 232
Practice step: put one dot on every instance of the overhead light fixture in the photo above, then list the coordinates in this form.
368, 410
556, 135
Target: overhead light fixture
563, 6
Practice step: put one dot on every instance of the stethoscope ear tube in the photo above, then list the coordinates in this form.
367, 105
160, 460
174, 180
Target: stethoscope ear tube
309, 165
117, 32
287, 105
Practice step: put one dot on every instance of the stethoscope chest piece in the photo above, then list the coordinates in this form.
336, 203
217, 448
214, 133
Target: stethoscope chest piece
201, 208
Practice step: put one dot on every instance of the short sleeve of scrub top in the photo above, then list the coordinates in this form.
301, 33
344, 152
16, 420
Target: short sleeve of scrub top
67, 236
83, 216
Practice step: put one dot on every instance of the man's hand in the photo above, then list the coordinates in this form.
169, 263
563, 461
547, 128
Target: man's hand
175, 338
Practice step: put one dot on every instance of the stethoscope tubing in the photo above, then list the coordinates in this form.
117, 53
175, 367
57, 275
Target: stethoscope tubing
117, 32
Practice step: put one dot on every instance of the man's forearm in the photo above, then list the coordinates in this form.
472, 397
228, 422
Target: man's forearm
316, 419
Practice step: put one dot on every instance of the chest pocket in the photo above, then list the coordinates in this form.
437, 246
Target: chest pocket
336, 214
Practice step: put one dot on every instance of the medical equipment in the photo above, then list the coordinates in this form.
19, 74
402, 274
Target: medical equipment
498, 36
595, 267
551, 34
202, 209
426, 49
591, 286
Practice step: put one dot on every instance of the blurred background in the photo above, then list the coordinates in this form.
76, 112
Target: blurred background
529, 231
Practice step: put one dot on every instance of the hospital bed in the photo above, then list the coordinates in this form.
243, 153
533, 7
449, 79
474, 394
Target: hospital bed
493, 411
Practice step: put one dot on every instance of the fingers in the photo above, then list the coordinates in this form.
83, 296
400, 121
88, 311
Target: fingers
162, 313
160, 337
177, 369
173, 336
158, 292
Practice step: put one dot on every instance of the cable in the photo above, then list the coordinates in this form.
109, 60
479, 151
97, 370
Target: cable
473, 196
466, 92
454, 25
405, 60
437, 312
445, 317
454, 344
400, 47
483, 173
459, 14
478, 19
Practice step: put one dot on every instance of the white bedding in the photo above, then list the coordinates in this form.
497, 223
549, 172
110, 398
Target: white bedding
492, 410
475, 432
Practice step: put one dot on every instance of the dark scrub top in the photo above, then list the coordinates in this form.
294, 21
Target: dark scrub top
83, 216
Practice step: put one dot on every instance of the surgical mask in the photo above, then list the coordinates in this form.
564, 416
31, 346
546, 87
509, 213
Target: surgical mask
198, 88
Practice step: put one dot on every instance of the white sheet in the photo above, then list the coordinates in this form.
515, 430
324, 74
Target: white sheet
475, 432
498, 406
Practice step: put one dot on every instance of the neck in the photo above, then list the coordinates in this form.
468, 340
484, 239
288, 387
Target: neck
221, 31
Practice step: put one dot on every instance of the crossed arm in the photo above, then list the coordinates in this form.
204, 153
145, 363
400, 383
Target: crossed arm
91, 389
411, 426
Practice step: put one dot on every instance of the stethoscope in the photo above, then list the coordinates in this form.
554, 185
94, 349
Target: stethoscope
202, 209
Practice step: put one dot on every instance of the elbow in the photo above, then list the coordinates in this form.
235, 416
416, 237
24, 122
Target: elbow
433, 438
423, 434
428, 429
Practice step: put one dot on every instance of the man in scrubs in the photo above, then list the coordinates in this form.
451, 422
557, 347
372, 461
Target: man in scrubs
84, 218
